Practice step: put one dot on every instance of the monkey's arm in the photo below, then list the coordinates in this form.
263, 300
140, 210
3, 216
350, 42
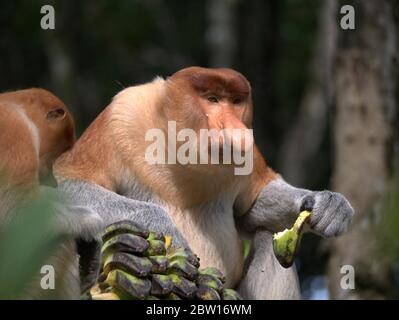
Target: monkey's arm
278, 205
271, 203
113, 208
79, 223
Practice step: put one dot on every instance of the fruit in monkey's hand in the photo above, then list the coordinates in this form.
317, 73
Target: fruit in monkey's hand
139, 264
286, 243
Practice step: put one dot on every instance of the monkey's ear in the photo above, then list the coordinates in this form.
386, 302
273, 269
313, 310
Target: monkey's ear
56, 114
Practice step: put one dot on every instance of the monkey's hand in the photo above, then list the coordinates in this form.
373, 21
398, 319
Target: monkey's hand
331, 212
140, 264
114, 208
279, 204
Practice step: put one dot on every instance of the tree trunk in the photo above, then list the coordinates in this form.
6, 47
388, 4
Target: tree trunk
365, 106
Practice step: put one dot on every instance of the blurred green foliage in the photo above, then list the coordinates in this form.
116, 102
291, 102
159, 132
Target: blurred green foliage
25, 245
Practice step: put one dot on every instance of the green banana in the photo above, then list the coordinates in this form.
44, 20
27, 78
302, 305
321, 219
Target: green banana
286, 243
159, 264
210, 281
161, 284
126, 243
230, 294
155, 248
182, 287
183, 268
207, 293
122, 227
213, 272
185, 254
132, 286
138, 266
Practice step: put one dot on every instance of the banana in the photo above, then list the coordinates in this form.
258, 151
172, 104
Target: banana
121, 227
286, 243
132, 286
185, 254
172, 296
138, 266
230, 294
161, 284
155, 248
106, 296
126, 243
183, 268
210, 281
182, 287
159, 264
206, 293
213, 272
156, 236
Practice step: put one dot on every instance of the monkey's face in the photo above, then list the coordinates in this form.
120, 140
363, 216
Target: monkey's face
213, 99
54, 122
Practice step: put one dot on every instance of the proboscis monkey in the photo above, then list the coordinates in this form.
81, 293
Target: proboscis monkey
35, 128
202, 205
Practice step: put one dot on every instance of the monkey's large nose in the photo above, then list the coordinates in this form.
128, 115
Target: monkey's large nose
237, 134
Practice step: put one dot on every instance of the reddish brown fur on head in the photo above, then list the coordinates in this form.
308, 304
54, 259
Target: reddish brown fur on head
51, 117
210, 99
229, 87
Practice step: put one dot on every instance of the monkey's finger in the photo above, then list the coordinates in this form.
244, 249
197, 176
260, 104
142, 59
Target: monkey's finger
230, 294
124, 226
210, 281
130, 285
129, 243
161, 284
138, 266
183, 287
207, 293
213, 272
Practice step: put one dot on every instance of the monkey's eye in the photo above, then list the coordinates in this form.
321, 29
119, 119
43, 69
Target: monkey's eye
237, 100
213, 99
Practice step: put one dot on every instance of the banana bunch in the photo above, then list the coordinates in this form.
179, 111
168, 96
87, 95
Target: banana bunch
138, 264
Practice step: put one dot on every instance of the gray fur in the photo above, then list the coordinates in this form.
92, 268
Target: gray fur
264, 277
279, 204
275, 209
113, 207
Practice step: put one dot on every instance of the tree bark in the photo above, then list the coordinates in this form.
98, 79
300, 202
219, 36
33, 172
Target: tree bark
365, 106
